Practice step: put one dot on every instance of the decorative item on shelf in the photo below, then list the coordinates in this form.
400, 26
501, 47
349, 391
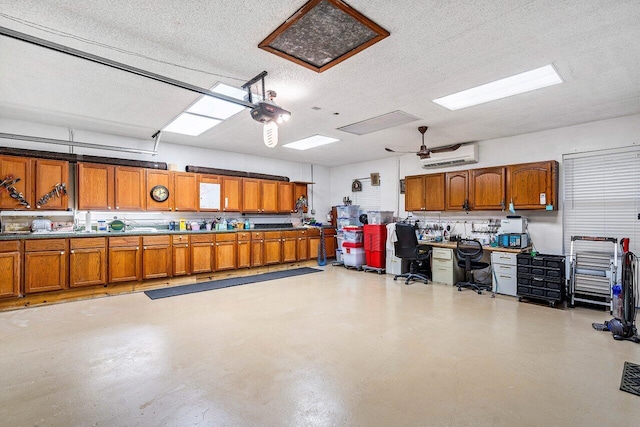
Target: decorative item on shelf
59, 190
8, 183
301, 204
375, 179
356, 185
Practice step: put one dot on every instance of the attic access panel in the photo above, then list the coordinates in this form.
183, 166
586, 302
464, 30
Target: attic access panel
322, 34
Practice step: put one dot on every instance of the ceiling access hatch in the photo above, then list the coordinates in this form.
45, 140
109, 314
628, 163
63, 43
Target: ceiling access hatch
323, 33
385, 121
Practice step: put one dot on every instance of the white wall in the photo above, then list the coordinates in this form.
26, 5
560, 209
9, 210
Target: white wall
545, 227
178, 154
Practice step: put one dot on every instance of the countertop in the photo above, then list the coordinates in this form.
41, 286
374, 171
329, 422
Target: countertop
58, 235
452, 245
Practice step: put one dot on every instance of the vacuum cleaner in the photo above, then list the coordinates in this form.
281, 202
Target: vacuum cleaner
622, 326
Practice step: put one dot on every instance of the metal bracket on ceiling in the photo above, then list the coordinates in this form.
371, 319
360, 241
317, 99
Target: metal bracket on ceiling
76, 143
156, 138
256, 79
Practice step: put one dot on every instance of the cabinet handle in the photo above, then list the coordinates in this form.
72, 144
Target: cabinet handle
212, 244
176, 209
145, 248
217, 244
186, 246
506, 277
61, 252
72, 251
117, 207
138, 248
109, 207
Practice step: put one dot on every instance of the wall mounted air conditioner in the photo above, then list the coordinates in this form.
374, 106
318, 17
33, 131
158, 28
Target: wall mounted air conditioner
466, 154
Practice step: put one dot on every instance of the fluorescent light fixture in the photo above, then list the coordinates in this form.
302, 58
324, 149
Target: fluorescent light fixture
191, 124
217, 108
310, 142
503, 88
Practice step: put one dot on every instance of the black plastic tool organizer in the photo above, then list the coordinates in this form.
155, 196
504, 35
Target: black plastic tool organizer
541, 277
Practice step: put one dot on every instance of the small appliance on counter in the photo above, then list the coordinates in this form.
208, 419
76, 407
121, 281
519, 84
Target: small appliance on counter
41, 225
117, 226
513, 225
513, 240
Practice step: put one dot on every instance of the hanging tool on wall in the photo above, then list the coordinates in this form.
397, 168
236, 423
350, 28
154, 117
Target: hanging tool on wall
8, 183
59, 190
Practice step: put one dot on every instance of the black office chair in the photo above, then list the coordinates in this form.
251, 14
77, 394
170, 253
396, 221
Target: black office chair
469, 254
407, 248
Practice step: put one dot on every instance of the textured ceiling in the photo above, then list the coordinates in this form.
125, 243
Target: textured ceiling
435, 48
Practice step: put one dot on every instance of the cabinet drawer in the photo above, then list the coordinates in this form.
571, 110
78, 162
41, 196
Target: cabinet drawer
182, 238
45, 245
257, 235
156, 240
330, 232
510, 270
442, 253
503, 258
314, 232
199, 238
289, 234
226, 237
10, 246
303, 233
123, 241
243, 236
271, 235
89, 242
441, 263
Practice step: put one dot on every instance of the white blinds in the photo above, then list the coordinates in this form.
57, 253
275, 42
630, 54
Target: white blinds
601, 197
369, 197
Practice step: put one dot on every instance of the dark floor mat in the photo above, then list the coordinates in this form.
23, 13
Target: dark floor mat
225, 283
631, 378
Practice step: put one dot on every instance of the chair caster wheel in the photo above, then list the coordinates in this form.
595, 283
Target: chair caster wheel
395, 278
459, 290
479, 292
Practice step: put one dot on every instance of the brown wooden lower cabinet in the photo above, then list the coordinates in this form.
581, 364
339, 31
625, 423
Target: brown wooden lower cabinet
289, 246
257, 248
272, 247
303, 245
125, 259
225, 251
10, 264
156, 257
202, 253
244, 249
180, 255
45, 265
87, 261
330, 242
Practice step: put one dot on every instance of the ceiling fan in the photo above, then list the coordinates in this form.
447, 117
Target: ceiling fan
424, 152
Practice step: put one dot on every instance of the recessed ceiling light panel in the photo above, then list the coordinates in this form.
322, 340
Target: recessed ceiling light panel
191, 124
375, 124
311, 142
503, 88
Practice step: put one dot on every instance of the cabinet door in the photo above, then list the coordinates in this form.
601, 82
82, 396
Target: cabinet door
530, 184
487, 188
124, 264
299, 190
87, 267
95, 186
201, 257
209, 193
434, 192
285, 197
314, 246
303, 248
244, 254
330, 245
231, 194
181, 259
129, 190
158, 177
269, 190
257, 253
289, 246
185, 191
272, 251
225, 256
9, 274
45, 271
251, 198
50, 173
156, 261
457, 191
17, 167
414, 193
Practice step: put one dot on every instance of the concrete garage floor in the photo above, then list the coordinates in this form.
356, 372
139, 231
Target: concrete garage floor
334, 348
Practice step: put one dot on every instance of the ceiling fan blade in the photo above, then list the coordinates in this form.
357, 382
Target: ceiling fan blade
394, 151
446, 148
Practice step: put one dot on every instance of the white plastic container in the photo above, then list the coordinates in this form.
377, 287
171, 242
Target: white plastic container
379, 217
353, 257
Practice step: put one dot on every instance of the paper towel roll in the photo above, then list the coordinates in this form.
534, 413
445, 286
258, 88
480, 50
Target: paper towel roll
87, 222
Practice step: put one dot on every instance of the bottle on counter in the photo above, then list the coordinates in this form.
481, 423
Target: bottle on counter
183, 224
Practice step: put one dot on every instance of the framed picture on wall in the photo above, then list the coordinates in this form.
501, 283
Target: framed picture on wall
402, 186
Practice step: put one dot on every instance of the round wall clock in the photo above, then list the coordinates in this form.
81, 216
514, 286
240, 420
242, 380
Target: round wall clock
159, 193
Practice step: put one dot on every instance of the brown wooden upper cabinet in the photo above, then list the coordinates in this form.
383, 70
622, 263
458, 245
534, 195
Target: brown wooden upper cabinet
37, 178
154, 178
209, 193
424, 192
457, 191
95, 190
533, 185
231, 194
300, 189
129, 189
251, 195
487, 188
286, 203
185, 191
269, 190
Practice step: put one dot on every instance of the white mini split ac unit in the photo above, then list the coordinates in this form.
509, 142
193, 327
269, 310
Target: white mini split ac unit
466, 154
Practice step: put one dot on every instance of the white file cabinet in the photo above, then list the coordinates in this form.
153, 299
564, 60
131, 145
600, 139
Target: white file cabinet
444, 268
505, 267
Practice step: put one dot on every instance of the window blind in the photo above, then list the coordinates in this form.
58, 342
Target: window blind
601, 197
369, 197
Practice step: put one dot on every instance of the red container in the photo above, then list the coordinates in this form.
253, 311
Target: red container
375, 237
375, 259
